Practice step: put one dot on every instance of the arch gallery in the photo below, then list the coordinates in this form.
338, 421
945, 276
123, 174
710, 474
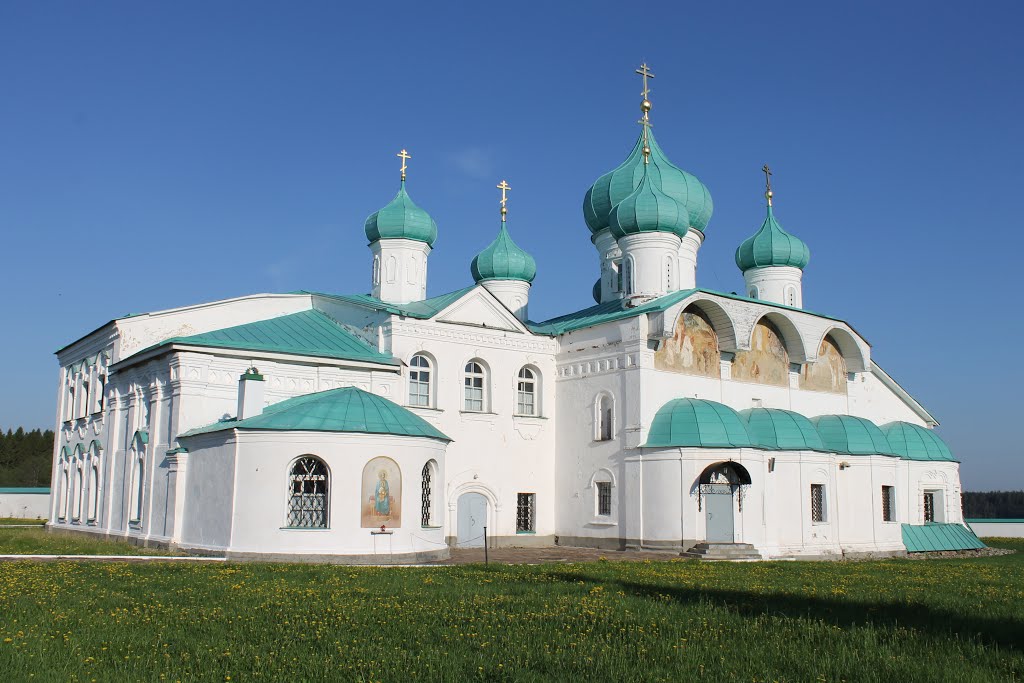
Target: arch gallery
331, 426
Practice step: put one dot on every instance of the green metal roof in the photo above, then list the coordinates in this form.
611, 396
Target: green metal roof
401, 219
648, 209
422, 310
772, 246
616, 185
851, 435
503, 259
336, 410
777, 429
697, 422
931, 537
25, 489
307, 333
913, 442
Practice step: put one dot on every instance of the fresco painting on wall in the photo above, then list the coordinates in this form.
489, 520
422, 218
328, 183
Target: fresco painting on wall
828, 373
381, 494
767, 361
693, 348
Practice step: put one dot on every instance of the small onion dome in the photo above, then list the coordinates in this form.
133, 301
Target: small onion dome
616, 185
648, 209
772, 246
913, 442
778, 429
596, 291
503, 260
401, 219
697, 423
850, 435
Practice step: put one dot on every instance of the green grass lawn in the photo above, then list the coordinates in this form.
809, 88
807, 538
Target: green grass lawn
897, 620
33, 541
7, 521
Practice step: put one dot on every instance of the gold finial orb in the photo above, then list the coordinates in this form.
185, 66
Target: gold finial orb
645, 106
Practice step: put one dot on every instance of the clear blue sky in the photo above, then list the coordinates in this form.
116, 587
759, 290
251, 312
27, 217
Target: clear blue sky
160, 154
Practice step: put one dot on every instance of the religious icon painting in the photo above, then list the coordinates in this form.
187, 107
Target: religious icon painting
381, 500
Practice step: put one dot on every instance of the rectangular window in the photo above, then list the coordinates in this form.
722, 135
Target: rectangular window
419, 390
604, 498
929, 506
525, 508
888, 503
817, 502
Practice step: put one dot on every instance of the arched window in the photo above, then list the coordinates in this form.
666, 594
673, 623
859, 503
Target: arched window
526, 393
475, 383
391, 268
604, 418
668, 274
603, 484
308, 482
94, 490
376, 270
419, 381
753, 292
627, 276
428, 495
139, 490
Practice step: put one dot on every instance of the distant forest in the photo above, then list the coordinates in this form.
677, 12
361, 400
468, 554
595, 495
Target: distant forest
993, 504
25, 457
25, 460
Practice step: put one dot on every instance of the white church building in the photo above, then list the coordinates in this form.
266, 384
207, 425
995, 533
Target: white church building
392, 426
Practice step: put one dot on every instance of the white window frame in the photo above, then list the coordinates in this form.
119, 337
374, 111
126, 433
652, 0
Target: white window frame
475, 372
599, 416
533, 392
416, 373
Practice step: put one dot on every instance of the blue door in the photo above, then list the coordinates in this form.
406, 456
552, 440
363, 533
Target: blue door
718, 509
472, 512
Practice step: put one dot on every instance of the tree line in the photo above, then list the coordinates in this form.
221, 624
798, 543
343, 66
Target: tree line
26, 458
993, 504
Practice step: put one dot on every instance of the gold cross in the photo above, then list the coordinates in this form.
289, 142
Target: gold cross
645, 72
405, 157
768, 183
504, 187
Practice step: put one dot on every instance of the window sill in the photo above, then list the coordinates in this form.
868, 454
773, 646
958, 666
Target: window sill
528, 417
821, 523
602, 522
431, 409
431, 528
478, 412
525, 533
304, 528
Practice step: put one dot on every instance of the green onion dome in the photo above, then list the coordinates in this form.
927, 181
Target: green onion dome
648, 209
772, 246
850, 435
616, 185
401, 219
503, 260
774, 428
697, 423
914, 442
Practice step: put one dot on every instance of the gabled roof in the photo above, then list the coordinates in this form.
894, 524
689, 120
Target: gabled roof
307, 333
336, 410
422, 310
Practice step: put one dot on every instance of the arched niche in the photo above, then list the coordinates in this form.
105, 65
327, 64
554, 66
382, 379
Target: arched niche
693, 348
767, 361
828, 371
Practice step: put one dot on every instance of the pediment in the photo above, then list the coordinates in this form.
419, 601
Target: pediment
479, 308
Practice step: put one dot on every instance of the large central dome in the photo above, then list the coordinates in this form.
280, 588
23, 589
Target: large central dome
616, 185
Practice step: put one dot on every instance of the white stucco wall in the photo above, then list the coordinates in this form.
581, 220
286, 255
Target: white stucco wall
25, 503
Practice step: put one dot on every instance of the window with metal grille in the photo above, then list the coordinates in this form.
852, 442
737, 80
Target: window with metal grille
419, 381
525, 508
604, 498
474, 387
929, 506
888, 503
526, 393
307, 494
817, 502
426, 502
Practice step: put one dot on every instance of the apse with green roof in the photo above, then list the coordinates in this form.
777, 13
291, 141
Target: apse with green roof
504, 268
772, 260
849, 435
914, 442
647, 164
697, 423
401, 236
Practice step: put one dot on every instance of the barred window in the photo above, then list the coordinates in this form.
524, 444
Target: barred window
474, 387
604, 498
929, 506
525, 509
888, 503
817, 502
526, 393
307, 494
427, 495
419, 381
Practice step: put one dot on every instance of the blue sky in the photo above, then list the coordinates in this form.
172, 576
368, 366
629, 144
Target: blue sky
160, 154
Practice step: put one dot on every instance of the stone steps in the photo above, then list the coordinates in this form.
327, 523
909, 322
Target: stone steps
740, 552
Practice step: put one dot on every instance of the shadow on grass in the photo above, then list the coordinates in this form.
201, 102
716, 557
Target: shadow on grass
1006, 633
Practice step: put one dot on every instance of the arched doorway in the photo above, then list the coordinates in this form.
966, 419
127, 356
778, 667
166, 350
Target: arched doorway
472, 518
720, 494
